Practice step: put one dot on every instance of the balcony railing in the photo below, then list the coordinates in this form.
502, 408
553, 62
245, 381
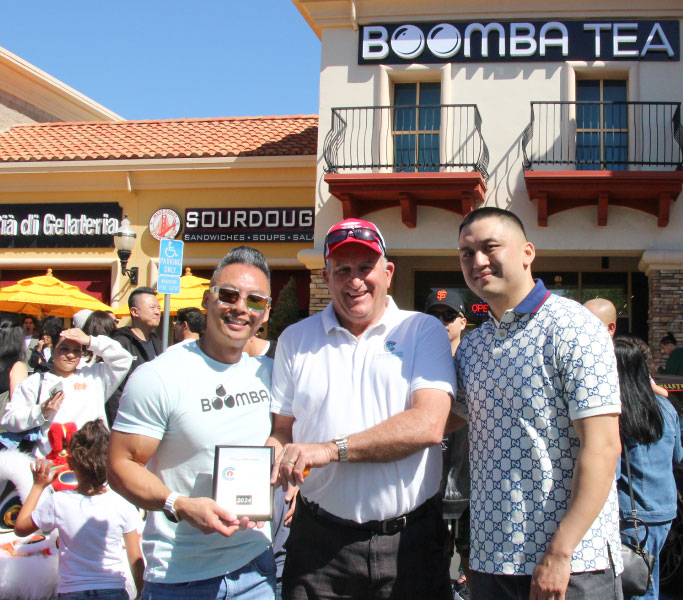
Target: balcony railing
616, 136
434, 138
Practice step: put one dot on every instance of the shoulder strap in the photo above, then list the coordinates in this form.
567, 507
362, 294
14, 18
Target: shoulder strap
634, 513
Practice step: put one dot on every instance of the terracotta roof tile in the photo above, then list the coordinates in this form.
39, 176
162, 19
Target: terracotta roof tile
173, 138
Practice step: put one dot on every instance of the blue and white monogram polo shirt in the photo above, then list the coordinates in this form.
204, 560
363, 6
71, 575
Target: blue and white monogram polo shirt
524, 380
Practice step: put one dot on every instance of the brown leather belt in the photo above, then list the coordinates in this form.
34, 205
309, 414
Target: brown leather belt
387, 527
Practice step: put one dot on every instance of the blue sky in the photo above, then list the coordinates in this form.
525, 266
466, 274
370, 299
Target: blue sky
154, 59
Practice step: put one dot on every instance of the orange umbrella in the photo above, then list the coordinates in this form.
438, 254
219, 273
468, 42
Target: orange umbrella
191, 293
45, 295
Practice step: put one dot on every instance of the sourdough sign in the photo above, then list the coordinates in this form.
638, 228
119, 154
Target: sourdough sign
488, 41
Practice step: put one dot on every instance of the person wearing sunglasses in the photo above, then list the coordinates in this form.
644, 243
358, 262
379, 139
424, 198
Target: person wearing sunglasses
361, 394
446, 304
174, 411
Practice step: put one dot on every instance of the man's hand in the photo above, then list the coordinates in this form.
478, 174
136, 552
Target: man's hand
550, 578
295, 461
208, 517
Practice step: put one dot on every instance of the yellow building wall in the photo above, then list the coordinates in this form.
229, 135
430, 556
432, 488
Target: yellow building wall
142, 193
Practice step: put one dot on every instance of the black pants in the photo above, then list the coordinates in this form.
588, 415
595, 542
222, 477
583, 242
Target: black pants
329, 560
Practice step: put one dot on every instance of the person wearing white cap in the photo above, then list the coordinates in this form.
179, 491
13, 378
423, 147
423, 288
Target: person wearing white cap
80, 318
361, 394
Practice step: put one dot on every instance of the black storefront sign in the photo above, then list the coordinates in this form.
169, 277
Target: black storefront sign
274, 224
518, 41
74, 225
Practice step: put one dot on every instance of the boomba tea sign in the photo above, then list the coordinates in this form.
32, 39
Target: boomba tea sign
77, 225
248, 225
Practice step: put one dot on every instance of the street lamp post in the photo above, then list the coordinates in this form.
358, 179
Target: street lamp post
124, 241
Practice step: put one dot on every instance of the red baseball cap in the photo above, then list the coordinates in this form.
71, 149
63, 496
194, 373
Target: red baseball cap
357, 231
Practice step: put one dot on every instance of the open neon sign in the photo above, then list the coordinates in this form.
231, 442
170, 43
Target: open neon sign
480, 309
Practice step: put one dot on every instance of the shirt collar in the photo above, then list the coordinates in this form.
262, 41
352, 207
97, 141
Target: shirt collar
534, 299
330, 320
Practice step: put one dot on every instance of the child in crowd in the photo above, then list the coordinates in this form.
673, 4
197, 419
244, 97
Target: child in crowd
92, 521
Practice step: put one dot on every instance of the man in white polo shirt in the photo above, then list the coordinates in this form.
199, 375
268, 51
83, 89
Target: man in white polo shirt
363, 391
542, 398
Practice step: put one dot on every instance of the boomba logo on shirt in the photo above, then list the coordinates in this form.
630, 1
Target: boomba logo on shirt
223, 399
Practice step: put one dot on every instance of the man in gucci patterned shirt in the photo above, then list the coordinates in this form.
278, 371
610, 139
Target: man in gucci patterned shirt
541, 394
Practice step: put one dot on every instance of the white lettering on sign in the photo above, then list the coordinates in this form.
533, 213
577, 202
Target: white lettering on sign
619, 39
8, 225
257, 218
191, 218
597, 28
562, 41
663, 46
485, 31
70, 225
522, 42
375, 43
516, 39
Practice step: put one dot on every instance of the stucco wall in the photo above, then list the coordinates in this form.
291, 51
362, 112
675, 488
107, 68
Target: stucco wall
502, 92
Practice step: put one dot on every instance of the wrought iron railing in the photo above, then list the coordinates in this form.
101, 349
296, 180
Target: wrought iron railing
614, 136
441, 138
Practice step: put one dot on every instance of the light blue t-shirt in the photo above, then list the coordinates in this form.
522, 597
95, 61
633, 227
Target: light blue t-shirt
192, 403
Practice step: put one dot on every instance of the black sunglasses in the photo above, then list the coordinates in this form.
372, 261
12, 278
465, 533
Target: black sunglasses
446, 316
360, 233
229, 296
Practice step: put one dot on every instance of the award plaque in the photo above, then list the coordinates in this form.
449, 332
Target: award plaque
241, 481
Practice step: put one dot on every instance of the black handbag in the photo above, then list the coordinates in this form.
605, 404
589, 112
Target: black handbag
638, 562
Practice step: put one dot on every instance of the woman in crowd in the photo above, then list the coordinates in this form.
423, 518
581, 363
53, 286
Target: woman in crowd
68, 394
98, 323
40, 359
650, 434
12, 354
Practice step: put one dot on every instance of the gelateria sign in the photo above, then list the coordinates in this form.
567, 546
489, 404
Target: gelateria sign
77, 225
514, 41
248, 225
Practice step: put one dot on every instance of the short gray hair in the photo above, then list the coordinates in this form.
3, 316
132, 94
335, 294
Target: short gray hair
243, 255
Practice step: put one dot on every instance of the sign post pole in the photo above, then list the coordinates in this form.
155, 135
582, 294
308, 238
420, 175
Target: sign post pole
168, 283
165, 322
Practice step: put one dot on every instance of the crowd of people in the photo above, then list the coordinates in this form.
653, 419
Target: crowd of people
539, 405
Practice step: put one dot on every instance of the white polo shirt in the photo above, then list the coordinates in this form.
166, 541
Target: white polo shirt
333, 383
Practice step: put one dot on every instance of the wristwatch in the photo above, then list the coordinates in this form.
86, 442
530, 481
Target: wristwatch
342, 442
169, 507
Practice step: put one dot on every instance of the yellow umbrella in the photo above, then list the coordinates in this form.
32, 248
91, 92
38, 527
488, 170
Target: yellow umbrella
191, 293
46, 295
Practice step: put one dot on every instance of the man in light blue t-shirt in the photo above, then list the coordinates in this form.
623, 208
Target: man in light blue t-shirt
174, 411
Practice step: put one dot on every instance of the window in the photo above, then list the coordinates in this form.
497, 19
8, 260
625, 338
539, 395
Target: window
416, 123
601, 127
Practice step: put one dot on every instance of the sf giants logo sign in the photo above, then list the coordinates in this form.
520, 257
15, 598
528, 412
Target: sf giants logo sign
441, 295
